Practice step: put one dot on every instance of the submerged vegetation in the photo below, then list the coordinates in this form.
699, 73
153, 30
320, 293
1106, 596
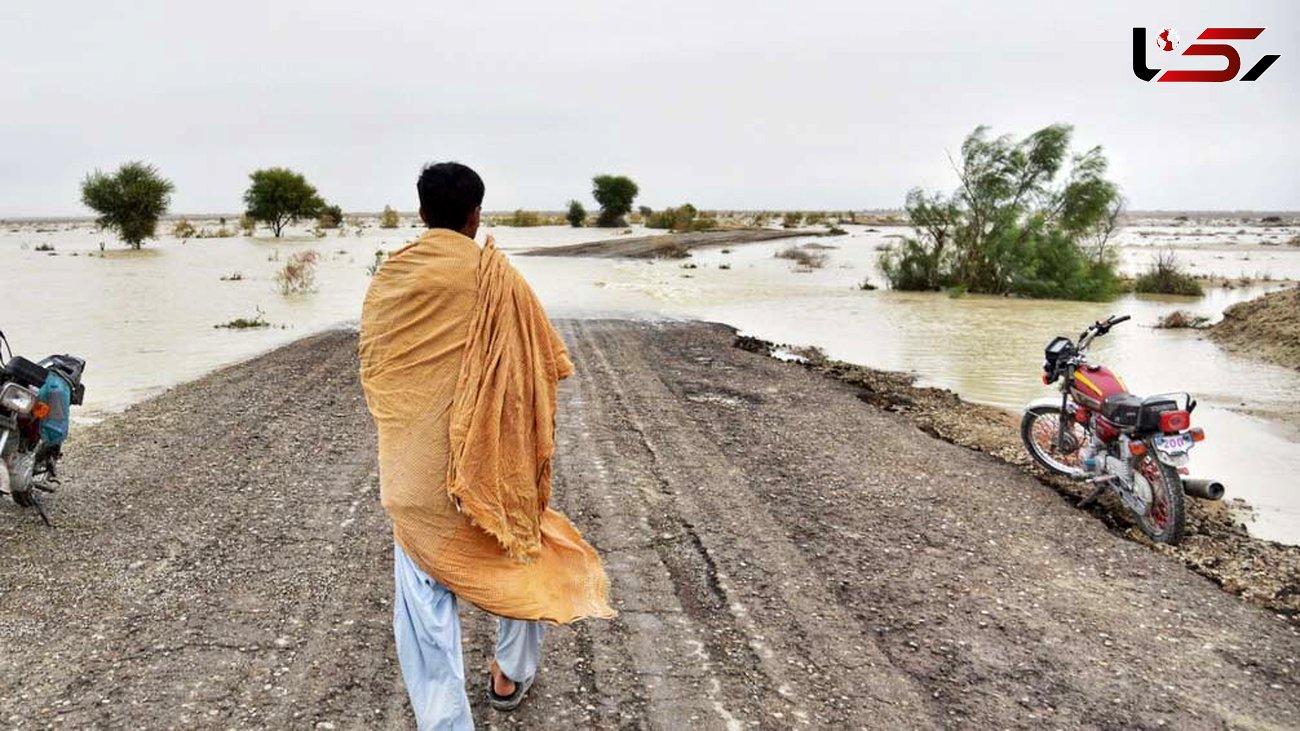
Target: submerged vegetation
1182, 319
298, 275
245, 323
615, 194
805, 259
183, 229
279, 196
129, 202
685, 217
1166, 276
1021, 222
330, 217
577, 214
373, 268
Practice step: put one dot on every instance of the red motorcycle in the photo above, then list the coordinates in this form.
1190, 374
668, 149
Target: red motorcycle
1099, 432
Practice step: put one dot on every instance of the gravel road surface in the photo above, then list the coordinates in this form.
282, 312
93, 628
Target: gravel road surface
783, 555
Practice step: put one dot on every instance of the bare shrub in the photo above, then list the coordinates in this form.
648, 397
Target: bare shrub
804, 259
298, 276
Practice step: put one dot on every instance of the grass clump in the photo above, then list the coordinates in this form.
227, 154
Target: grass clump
233, 277
43, 247
1166, 276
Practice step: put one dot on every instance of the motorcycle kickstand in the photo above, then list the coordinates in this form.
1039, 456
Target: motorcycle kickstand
40, 509
1096, 493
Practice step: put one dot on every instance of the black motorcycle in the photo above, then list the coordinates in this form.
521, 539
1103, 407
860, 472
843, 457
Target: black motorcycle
35, 406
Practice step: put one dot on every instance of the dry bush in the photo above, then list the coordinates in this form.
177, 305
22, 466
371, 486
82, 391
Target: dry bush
804, 259
298, 275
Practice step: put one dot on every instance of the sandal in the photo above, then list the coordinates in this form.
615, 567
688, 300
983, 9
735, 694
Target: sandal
507, 702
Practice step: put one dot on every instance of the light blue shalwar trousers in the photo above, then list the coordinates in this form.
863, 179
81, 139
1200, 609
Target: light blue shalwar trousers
427, 627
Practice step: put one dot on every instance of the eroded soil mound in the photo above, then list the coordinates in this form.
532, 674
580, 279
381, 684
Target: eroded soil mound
1267, 327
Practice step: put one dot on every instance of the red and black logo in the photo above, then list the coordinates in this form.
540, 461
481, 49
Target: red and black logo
1167, 41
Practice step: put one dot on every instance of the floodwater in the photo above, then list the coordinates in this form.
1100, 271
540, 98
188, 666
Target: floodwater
145, 320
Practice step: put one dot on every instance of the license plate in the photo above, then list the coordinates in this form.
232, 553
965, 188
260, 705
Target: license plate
1176, 443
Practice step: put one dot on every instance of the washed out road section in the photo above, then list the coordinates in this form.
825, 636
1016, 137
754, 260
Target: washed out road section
782, 555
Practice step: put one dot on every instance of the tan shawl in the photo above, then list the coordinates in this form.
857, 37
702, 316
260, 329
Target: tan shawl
459, 366
503, 414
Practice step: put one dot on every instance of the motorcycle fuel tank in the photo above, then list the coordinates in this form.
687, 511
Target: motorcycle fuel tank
1092, 384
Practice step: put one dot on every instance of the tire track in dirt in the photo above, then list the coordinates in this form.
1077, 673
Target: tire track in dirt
782, 554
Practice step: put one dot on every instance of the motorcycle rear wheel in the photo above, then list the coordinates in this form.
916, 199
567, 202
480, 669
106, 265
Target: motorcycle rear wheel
1039, 429
1166, 517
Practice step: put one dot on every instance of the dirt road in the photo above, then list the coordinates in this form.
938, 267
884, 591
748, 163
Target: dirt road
669, 245
782, 554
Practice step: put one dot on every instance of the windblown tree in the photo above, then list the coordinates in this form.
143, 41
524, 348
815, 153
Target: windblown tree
615, 194
1028, 218
279, 196
129, 202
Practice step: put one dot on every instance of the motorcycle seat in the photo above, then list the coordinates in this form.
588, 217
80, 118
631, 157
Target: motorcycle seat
1122, 409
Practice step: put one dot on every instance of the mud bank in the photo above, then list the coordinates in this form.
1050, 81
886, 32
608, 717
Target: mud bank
1216, 546
1266, 327
783, 553
668, 246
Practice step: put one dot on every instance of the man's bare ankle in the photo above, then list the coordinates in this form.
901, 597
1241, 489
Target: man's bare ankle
502, 685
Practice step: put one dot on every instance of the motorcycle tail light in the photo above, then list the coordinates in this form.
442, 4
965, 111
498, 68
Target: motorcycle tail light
1137, 449
1174, 421
1045, 381
41, 410
1197, 434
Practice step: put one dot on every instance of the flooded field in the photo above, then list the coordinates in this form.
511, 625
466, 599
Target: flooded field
147, 320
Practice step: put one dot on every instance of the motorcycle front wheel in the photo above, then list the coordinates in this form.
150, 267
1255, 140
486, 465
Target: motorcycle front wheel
1161, 488
1040, 430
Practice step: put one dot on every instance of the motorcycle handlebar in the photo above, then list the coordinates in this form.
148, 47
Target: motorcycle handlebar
1101, 327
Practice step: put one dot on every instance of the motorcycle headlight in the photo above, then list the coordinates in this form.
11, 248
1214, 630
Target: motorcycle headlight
17, 398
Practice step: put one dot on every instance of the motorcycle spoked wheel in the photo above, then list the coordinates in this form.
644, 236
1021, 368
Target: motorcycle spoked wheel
1039, 429
1165, 517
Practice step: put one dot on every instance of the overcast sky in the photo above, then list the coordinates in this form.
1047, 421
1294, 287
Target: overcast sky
727, 104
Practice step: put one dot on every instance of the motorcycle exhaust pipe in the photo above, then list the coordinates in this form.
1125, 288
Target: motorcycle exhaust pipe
1202, 488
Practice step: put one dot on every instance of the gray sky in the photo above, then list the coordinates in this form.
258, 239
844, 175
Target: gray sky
726, 104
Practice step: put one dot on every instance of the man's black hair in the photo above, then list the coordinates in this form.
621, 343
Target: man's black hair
449, 193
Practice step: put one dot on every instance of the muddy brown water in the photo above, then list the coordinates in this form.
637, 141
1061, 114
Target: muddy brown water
145, 320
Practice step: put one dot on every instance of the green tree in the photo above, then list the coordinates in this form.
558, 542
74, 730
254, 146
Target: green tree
615, 194
577, 214
1027, 218
279, 196
129, 201
331, 216
389, 218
